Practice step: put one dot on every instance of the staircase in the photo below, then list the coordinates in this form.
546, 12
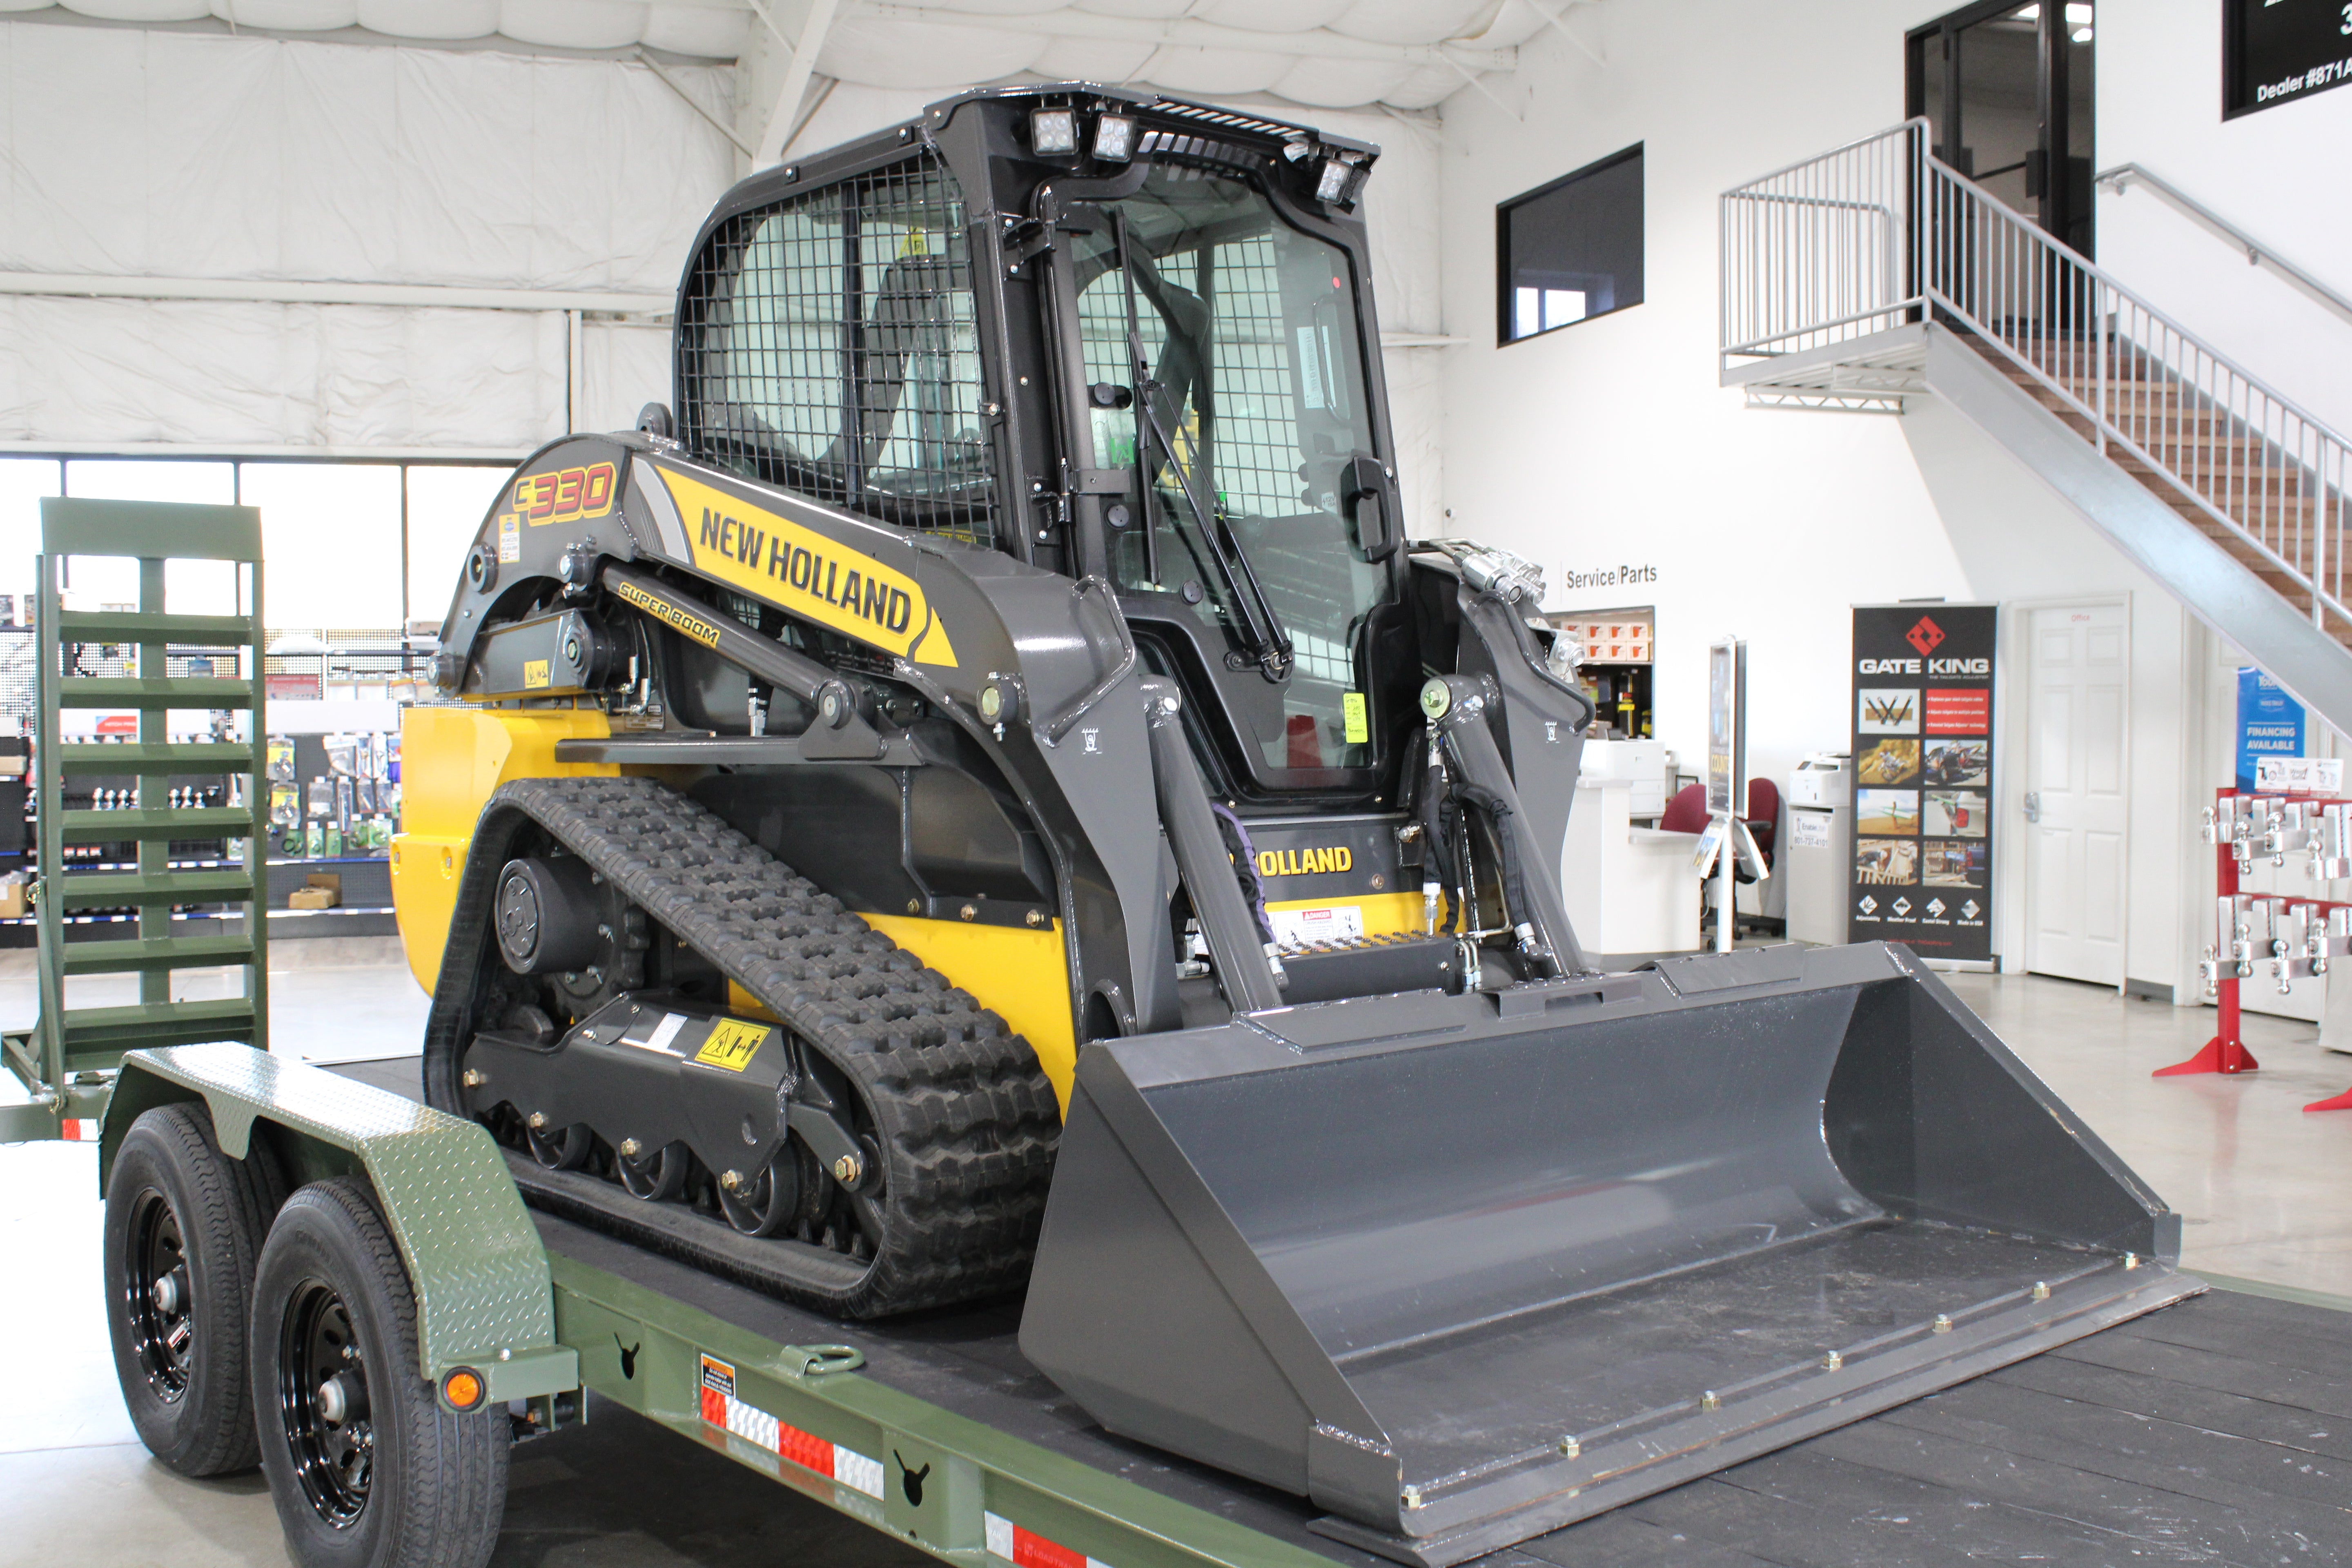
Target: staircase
1876, 272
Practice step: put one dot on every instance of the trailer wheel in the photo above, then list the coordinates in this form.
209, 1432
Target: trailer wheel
367, 1468
183, 1233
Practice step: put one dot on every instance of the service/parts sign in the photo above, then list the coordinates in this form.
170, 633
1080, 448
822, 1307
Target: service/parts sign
1922, 778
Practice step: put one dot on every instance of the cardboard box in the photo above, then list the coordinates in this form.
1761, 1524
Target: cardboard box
14, 905
321, 890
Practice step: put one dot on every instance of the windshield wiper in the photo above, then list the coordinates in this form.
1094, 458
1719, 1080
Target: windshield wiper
1261, 627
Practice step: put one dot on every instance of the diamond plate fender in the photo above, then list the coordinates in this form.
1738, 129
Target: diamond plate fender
483, 1295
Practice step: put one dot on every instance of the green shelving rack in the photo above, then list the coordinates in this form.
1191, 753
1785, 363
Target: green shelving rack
71, 1056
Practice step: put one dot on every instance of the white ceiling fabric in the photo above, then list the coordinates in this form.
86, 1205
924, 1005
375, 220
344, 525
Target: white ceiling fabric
252, 159
247, 158
1337, 53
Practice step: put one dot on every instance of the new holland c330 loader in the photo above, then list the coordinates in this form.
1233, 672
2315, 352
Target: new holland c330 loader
985, 793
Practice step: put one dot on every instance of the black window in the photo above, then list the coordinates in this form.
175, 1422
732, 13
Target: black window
829, 345
1570, 250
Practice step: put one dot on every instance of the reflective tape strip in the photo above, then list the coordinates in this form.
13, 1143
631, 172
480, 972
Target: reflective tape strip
846, 1466
1027, 1548
80, 1130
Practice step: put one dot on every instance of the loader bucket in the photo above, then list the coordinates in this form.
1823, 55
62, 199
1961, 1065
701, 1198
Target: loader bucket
1463, 1270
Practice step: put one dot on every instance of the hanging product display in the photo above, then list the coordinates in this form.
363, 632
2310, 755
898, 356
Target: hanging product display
1922, 778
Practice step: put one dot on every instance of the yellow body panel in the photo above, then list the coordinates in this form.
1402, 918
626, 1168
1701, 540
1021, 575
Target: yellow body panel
1022, 976
451, 761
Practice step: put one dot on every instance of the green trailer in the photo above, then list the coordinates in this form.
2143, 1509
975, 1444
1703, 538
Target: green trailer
399, 1233
416, 1321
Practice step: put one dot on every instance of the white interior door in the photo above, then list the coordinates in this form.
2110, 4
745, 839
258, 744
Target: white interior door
2078, 667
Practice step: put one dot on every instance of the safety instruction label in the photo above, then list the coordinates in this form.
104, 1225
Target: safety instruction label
1357, 715
733, 1044
1335, 922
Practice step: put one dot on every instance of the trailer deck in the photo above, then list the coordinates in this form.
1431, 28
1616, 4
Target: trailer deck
2216, 1431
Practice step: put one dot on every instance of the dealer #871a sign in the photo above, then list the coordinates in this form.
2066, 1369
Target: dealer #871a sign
1923, 847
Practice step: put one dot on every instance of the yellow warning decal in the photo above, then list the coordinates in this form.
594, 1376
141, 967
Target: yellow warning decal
808, 574
733, 1044
1356, 716
534, 674
669, 614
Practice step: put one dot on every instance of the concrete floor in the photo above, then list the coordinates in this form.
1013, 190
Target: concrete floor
2266, 1191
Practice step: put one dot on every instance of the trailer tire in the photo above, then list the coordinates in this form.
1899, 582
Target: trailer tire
182, 1237
376, 1473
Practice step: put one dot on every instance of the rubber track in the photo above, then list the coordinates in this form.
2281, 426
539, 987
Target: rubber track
966, 1116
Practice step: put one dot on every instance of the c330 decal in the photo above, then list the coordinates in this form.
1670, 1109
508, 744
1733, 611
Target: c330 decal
565, 495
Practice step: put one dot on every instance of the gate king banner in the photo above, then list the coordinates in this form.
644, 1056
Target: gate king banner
1922, 778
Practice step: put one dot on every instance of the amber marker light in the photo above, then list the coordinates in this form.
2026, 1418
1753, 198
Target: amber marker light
463, 1388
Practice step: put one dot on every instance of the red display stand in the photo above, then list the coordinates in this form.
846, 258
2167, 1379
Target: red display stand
2225, 1052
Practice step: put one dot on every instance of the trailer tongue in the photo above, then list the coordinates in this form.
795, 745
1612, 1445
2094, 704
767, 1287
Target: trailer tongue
1464, 1269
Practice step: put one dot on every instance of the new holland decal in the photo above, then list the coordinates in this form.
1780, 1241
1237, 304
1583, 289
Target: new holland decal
803, 571
1305, 862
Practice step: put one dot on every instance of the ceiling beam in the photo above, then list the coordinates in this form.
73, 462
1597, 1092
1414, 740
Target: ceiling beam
792, 87
293, 291
1186, 32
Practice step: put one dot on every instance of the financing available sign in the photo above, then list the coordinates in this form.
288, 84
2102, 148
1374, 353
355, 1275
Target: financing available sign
1922, 871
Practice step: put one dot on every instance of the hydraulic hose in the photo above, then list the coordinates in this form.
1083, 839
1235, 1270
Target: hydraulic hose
1457, 706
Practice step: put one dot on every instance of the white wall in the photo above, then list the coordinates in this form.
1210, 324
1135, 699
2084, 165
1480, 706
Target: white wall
2021, 545
1611, 443
140, 154
2277, 175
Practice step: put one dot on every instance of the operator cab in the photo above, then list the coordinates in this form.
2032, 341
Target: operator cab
1226, 426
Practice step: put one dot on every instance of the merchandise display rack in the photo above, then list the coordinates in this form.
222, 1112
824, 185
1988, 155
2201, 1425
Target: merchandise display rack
2297, 936
69, 1045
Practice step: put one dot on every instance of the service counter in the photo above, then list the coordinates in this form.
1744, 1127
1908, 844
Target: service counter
1632, 891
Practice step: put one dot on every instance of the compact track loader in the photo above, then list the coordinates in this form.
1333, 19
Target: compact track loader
986, 791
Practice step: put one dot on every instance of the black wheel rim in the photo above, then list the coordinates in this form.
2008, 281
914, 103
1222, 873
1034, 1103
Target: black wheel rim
322, 1399
158, 1296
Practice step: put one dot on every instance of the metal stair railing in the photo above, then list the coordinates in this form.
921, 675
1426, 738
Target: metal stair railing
2124, 176
73, 1050
1881, 233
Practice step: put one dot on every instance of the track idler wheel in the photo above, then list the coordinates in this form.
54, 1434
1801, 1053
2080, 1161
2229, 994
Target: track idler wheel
769, 1203
656, 1176
560, 1149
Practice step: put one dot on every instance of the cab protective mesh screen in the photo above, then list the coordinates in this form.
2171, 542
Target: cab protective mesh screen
828, 344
